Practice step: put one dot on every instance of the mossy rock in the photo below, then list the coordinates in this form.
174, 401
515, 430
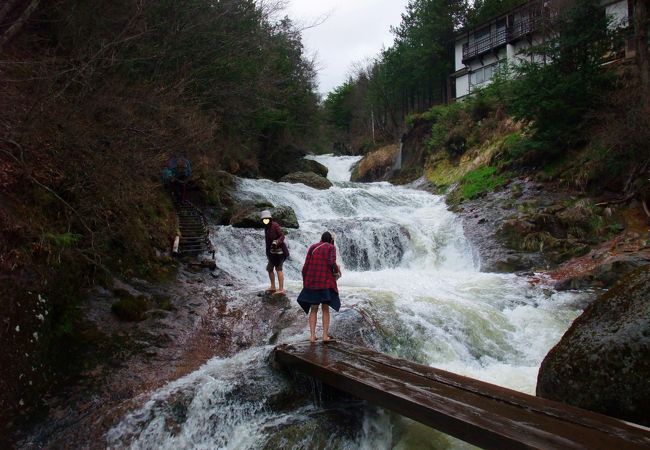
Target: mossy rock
602, 363
249, 217
310, 179
376, 165
309, 165
130, 308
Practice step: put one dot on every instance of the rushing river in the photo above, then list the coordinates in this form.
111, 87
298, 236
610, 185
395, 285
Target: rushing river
409, 271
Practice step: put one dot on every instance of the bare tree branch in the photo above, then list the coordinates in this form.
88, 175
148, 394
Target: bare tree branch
21, 162
14, 29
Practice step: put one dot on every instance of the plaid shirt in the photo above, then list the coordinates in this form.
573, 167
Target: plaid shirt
317, 272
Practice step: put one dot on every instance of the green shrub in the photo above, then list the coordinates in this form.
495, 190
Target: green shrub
557, 95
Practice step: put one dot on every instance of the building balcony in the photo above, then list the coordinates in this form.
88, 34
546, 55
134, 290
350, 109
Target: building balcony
485, 44
521, 28
500, 38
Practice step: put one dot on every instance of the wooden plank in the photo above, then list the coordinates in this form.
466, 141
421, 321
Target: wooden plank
477, 412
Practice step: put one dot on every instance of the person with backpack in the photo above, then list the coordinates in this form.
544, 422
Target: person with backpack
176, 176
276, 252
319, 275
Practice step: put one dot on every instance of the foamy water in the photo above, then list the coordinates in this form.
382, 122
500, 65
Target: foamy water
407, 266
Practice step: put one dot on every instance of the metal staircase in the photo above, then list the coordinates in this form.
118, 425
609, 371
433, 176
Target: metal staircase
194, 232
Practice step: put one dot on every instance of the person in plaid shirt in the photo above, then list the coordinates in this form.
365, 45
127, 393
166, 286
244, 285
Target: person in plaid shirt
319, 275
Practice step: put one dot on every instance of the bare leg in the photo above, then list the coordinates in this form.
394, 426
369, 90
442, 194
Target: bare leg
280, 282
272, 278
326, 322
313, 316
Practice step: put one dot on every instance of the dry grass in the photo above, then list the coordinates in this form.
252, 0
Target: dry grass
378, 162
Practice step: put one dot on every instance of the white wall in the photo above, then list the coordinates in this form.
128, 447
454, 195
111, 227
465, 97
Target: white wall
458, 53
462, 86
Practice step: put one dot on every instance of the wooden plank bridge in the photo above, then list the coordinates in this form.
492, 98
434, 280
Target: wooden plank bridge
480, 413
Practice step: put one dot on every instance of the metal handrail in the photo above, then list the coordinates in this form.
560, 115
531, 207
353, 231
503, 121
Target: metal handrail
485, 44
501, 37
521, 28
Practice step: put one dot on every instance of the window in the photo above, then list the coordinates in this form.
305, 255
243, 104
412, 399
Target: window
477, 76
484, 74
480, 34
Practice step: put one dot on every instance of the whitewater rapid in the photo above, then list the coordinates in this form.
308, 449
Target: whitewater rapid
408, 269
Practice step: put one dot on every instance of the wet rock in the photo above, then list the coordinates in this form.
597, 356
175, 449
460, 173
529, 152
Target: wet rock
310, 179
131, 308
613, 269
351, 326
309, 165
249, 217
209, 264
285, 216
602, 363
510, 264
333, 428
376, 165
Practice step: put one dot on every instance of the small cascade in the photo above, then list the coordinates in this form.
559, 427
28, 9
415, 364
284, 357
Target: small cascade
411, 288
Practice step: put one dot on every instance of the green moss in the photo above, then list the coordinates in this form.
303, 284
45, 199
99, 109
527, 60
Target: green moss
444, 173
480, 181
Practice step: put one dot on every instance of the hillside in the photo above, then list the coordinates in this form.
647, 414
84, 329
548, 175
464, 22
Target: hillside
96, 98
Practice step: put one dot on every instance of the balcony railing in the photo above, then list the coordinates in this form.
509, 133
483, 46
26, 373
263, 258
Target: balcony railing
485, 44
521, 28
500, 38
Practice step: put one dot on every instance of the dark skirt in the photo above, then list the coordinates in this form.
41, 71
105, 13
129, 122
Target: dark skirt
310, 297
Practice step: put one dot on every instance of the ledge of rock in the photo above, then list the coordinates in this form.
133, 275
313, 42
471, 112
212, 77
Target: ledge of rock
309, 179
602, 363
249, 217
376, 165
309, 165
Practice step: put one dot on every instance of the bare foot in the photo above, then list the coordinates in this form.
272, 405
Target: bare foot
270, 290
327, 339
312, 339
280, 292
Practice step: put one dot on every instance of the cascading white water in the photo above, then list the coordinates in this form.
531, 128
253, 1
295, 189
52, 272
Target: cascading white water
406, 266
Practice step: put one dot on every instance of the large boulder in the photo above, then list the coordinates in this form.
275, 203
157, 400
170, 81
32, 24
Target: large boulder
309, 165
602, 363
249, 217
309, 179
377, 165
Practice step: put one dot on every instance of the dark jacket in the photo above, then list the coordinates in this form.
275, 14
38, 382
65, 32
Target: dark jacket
273, 232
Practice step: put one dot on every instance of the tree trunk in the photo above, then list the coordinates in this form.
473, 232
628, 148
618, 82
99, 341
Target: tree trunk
15, 28
641, 41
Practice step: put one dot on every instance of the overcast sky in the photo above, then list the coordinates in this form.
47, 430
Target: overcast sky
353, 31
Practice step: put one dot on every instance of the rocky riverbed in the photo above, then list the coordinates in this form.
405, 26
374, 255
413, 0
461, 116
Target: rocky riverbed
126, 359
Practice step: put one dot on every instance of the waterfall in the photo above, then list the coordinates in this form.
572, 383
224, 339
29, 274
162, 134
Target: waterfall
409, 270
398, 157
